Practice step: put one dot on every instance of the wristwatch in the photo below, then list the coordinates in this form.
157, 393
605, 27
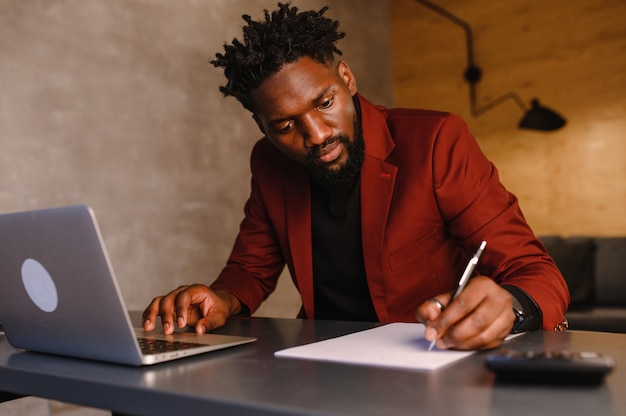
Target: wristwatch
520, 317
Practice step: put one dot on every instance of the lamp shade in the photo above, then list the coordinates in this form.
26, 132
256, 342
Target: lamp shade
541, 118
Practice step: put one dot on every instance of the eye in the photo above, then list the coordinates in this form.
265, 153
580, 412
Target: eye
283, 128
327, 102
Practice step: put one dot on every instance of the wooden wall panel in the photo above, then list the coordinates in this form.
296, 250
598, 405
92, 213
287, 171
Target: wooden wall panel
569, 54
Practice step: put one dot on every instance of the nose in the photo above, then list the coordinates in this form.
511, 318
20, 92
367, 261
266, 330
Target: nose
315, 130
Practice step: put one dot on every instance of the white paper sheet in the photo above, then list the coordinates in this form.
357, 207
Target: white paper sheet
399, 345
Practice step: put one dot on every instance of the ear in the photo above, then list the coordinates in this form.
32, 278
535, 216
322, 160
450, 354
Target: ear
347, 76
257, 120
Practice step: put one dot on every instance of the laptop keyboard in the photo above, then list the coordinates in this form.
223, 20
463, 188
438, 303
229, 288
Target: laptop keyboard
156, 346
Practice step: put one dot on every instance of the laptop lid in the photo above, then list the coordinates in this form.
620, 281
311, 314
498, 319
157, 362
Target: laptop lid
59, 293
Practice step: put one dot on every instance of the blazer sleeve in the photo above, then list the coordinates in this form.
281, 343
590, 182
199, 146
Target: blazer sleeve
477, 207
256, 260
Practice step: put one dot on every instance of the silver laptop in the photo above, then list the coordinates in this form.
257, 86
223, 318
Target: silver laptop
58, 294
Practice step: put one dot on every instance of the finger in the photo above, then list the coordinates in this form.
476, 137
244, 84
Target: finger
475, 333
431, 309
191, 304
452, 315
166, 315
478, 289
486, 317
212, 320
150, 314
194, 303
166, 310
427, 313
181, 308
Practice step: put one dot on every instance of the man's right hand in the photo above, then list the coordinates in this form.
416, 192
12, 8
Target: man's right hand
194, 305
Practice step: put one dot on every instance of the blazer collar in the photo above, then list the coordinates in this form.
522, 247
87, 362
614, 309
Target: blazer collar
378, 140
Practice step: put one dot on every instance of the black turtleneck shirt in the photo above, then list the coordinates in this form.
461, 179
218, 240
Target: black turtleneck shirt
339, 282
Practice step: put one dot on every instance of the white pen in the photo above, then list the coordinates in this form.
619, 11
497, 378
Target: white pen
467, 273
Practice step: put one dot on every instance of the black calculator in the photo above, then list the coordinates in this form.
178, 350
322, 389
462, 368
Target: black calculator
544, 366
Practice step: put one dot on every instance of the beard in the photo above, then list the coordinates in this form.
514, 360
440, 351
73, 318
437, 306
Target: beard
349, 171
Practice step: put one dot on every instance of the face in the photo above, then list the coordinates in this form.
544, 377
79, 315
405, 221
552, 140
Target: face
306, 110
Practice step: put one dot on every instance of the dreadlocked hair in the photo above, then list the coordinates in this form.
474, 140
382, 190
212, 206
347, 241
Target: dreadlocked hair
284, 37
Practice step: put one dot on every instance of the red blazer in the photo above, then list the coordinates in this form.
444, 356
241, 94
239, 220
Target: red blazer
428, 198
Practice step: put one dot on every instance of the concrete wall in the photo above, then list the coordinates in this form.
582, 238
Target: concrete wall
113, 103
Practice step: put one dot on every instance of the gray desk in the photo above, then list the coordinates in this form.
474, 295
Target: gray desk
249, 380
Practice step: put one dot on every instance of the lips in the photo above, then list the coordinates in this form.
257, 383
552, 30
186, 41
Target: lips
330, 153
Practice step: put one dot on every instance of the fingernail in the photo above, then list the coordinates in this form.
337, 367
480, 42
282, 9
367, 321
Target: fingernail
166, 326
430, 334
181, 322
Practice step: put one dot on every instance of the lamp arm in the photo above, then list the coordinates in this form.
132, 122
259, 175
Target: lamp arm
472, 73
510, 95
469, 38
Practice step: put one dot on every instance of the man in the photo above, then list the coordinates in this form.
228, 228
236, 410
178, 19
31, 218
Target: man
375, 211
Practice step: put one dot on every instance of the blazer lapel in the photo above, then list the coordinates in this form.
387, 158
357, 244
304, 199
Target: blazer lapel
377, 183
298, 209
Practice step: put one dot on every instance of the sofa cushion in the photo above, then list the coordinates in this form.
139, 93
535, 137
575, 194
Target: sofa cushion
610, 271
574, 256
604, 319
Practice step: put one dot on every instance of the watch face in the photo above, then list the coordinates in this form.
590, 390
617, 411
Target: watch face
520, 322
517, 306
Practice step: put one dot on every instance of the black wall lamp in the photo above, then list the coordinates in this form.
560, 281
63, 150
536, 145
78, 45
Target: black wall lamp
535, 118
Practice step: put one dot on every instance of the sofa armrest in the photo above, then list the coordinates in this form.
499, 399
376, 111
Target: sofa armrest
574, 256
598, 319
610, 272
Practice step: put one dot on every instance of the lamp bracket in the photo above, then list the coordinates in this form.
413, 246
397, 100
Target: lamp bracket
473, 74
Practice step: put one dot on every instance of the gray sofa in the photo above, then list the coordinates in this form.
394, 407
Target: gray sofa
595, 271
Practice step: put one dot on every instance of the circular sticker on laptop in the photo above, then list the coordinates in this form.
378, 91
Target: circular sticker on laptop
39, 285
